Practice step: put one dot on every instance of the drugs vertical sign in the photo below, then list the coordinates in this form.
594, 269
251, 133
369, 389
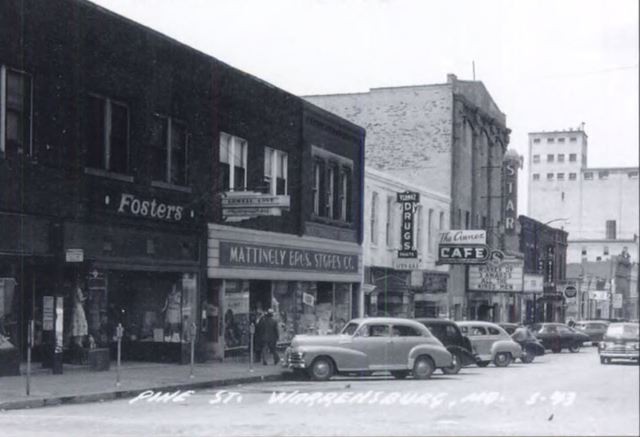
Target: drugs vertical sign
408, 200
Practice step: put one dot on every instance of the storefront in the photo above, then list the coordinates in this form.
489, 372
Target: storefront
312, 285
389, 293
430, 299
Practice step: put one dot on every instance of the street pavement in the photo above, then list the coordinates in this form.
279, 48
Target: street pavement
558, 394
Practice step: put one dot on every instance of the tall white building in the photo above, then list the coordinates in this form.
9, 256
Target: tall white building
600, 204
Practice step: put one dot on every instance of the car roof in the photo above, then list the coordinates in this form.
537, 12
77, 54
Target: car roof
434, 321
477, 323
385, 320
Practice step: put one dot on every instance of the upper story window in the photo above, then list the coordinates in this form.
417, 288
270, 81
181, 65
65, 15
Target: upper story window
603, 174
430, 231
441, 222
536, 159
536, 176
588, 175
536, 140
345, 194
573, 157
331, 191
549, 176
417, 217
318, 172
233, 162
169, 151
551, 140
572, 176
561, 140
389, 223
275, 171
550, 158
560, 176
573, 139
107, 134
605, 250
610, 229
15, 112
374, 218
633, 175
561, 157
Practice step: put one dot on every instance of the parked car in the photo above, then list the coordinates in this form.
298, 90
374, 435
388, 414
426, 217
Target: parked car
400, 346
620, 342
490, 343
558, 336
594, 329
457, 344
509, 327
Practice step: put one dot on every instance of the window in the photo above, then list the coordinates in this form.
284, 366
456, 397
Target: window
536, 140
318, 178
169, 151
549, 158
430, 231
605, 250
603, 174
374, 217
15, 112
536, 176
493, 331
389, 224
573, 157
441, 221
561, 157
345, 194
584, 251
633, 175
459, 222
467, 220
405, 331
551, 140
588, 175
611, 229
560, 176
233, 160
572, 176
275, 171
107, 135
561, 140
331, 191
573, 139
478, 330
417, 219
549, 176
375, 330
536, 159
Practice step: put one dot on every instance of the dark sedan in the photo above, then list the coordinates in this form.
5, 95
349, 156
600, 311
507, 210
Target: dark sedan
457, 344
558, 336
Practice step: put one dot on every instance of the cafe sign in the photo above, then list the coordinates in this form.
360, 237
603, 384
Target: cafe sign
236, 254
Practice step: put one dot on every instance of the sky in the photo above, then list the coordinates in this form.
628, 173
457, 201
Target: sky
548, 64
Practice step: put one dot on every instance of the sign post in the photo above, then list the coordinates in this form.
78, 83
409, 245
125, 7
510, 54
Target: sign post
193, 347
29, 346
252, 331
119, 334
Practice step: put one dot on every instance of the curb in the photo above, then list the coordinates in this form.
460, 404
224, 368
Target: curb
123, 394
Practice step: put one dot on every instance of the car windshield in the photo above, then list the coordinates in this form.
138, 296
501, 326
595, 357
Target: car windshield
350, 329
623, 331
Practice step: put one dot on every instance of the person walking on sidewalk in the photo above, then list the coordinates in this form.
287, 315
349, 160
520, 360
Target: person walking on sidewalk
268, 328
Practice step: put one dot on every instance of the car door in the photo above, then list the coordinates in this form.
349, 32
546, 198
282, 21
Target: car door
373, 340
480, 341
403, 339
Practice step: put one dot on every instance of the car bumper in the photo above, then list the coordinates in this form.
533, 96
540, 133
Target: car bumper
631, 355
293, 360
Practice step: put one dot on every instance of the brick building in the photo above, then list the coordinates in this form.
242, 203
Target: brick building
450, 138
120, 151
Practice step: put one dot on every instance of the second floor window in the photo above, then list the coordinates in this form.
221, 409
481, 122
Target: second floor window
611, 229
233, 162
561, 157
389, 228
374, 218
275, 171
15, 112
345, 194
107, 135
573, 157
536, 176
318, 208
549, 158
169, 151
536, 159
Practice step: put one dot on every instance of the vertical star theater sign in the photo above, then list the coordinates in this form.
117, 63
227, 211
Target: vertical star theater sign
409, 201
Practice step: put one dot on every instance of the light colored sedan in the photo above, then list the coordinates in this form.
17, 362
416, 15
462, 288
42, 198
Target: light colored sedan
490, 343
400, 346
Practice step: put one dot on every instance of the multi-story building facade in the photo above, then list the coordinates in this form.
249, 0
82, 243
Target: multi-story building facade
403, 287
450, 138
598, 207
147, 184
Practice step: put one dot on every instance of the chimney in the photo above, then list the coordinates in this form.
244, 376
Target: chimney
452, 78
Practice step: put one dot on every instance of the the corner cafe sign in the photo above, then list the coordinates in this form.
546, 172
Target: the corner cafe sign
463, 247
234, 254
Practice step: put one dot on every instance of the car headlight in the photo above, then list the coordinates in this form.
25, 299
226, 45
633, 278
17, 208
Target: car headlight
606, 344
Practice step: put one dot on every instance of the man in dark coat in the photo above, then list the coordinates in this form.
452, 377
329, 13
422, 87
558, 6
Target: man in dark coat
268, 329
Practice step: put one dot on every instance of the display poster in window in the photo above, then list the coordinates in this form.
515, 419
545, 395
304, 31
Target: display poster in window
308, 299
59, 332
47, 313
7, 287
236, 316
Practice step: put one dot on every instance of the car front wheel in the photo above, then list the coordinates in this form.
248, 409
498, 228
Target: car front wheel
604, 360
321, 369
455, 366
423, 368
574, 347
502, 359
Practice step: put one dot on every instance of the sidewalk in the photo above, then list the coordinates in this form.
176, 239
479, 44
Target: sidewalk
78, 384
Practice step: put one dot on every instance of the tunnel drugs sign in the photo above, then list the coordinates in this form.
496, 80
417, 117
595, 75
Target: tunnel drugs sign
408, 200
